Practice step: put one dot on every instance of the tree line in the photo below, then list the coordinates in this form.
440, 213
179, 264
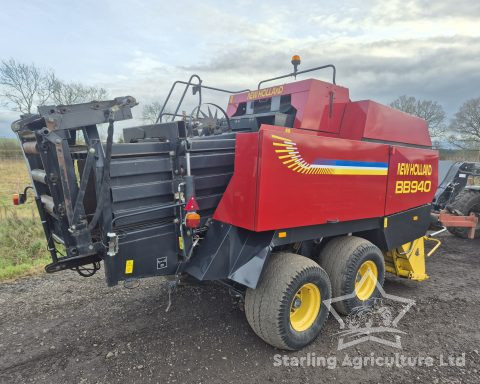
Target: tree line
24, 86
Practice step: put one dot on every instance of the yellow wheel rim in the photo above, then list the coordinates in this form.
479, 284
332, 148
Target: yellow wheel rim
366, 280
304, 307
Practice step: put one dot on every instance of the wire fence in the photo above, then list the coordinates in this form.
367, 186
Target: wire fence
460, 154
10, 149
17, 155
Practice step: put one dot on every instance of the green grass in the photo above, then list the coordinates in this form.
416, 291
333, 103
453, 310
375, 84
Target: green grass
22, 247
22, 242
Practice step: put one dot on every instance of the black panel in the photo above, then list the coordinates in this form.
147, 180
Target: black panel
159, 132
293, 235
252, 123
401, 228
153, 251
406, 226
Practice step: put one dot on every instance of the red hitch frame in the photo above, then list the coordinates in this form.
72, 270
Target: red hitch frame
450, 220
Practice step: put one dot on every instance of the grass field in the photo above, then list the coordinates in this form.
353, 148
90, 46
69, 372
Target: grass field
22, 243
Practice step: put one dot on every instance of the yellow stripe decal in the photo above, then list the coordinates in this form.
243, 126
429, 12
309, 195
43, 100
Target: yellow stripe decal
280, 138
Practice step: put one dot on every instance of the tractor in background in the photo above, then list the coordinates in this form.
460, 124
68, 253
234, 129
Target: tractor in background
457, 200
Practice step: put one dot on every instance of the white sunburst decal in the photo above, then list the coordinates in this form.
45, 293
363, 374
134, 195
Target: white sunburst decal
289, 154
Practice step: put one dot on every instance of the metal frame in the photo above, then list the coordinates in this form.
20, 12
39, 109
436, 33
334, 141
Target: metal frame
47, 144
450, 220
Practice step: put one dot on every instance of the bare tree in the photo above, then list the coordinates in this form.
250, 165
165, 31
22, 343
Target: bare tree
24, 85
428, 110
71, 93
466, 125
151, 111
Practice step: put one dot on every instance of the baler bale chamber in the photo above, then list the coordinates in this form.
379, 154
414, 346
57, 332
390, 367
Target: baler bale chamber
286, 189
141, 201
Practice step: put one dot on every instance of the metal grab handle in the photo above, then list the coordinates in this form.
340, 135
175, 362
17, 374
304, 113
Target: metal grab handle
300, 72
197, 87
435, 247
190, 82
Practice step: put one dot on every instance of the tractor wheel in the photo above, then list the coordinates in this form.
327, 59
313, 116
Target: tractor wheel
354, 266
466, 202
286, 309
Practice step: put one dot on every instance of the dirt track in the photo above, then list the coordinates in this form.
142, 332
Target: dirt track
62, 328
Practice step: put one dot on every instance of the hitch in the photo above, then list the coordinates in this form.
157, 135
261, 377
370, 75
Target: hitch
447, 219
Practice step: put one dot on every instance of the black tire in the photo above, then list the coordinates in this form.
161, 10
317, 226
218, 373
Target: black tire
268, 306
466, 202
341, 258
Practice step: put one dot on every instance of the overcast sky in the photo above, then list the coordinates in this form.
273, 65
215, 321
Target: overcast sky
382, 49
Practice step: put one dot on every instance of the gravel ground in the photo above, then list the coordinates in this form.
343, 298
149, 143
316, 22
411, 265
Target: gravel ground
62, 328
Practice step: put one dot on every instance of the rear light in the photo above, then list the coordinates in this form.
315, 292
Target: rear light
192, 220
20, 198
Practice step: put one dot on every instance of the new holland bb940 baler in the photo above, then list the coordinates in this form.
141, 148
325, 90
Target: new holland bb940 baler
291, 196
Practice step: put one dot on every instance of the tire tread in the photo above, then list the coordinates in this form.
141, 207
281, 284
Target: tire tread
264, 305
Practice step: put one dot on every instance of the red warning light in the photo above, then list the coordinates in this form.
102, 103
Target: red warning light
16, 199
192, 205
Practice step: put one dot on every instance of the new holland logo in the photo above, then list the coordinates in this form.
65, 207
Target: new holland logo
290, 156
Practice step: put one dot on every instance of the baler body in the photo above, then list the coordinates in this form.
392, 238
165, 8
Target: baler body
300, 162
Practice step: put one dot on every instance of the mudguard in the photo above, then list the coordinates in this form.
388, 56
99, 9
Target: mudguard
230, 252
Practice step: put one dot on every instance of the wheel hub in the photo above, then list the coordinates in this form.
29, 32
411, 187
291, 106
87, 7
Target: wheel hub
296, 303
366, 280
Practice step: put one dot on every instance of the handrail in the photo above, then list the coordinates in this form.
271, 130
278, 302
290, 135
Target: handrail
160, 115
295, 73
197, 87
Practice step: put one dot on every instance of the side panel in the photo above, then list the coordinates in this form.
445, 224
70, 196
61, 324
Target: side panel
144, 252
286, 179
371, 121
319, 105
307, 180
389, 124
237, 205
314, 111
412, 178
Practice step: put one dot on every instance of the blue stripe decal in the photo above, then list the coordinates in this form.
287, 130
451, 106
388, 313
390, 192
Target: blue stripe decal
350, 163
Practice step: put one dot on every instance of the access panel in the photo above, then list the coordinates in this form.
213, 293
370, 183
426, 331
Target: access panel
412, 178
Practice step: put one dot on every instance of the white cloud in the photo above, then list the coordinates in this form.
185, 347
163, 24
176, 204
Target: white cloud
382, 49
